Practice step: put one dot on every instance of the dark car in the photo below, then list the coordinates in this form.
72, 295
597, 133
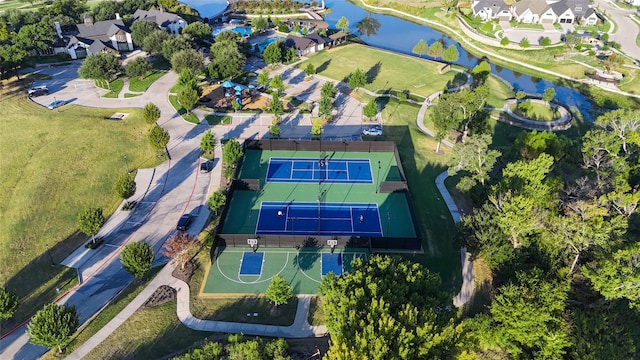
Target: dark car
184, 222
205, 167
38, 91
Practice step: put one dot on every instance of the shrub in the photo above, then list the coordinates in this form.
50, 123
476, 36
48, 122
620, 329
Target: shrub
125, 186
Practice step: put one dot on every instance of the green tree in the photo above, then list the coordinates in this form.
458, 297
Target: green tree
272, 53
187, 59
451, 54
549, 94
263, 78
151, 113
104, 10
530, 144
612, 62
571, 40
153, 42
277, 83
8, 303
53, 325
138, 67
449, 4
310, 70
526, 319
208, 142
199, 31
357, 79
125, 185
441, 116
421, 48
524, 43
217, 201
37, 37
12, 57
618, 277
386, 309
326, 107
545, 41
436, 49
175, 44
188, 97
520, 95
481, 72
316, 129
90, 220
625, 124
232, 152
259, 24
371, 109
525, 107
226, 60
101, 66
274, 130
475, 157
140, 29
275, 105
343, 24
187, 79
504, 41
137, 258
158, 138
328, 90
599, 153
279, 292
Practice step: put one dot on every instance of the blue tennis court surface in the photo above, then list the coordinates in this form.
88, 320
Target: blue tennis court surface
346, 171
308, 218
331, 263
251, 263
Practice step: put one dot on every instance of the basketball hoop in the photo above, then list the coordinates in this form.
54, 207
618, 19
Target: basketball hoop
253, 243
332, 244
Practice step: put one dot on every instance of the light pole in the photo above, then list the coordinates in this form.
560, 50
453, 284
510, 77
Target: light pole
127, 163
50, 257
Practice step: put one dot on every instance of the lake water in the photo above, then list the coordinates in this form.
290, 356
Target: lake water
401, 36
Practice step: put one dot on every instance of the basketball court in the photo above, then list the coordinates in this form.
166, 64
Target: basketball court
237, 271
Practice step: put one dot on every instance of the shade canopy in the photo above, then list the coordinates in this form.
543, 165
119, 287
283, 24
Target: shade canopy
238, 93
227, 95
227, 84
251, 87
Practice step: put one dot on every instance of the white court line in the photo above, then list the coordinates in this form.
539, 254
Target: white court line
351, 218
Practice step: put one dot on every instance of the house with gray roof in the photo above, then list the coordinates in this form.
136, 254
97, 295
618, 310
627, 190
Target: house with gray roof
166, 21
550, 12
102, 36
491, 9
307, 44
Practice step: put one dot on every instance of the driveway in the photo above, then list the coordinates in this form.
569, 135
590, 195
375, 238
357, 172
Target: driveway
627, 30
534, 36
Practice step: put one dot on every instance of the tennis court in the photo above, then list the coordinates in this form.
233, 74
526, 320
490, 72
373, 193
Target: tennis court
306, 218
236, 271
325, 169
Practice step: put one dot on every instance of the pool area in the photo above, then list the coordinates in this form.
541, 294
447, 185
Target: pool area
242, 30
262, 44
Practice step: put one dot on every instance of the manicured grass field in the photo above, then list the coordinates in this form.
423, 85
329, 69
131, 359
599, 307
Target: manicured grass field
539, 112
191, 117
137, 85
54, 164
383, 69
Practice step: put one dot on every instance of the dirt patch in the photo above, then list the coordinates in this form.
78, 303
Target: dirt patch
163, 294
184, 274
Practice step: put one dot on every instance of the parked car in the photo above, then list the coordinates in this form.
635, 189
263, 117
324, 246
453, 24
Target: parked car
205, 167
38, 91
184, 222
56, 104
374, 131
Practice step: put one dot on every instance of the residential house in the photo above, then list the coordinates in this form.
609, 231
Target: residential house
307, 44
102, 36
550, 12
166, 21
491, 9
633, 2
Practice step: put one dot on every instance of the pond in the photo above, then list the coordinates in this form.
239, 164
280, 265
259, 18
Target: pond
398, 35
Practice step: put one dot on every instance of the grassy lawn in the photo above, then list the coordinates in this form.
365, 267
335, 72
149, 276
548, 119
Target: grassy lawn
218, 120
107, 314
54, 164
383, 69
316, 313
137, 85
539, 112
151, 333
235, 309
130, 95
191, 117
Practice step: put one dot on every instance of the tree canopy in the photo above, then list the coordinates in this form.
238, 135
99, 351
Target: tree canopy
137, 258
53, 325
90, 220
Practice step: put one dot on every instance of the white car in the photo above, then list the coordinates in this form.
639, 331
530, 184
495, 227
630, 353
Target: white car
372, 132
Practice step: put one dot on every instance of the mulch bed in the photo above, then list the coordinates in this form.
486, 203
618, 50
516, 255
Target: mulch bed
163, 294
184, 274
